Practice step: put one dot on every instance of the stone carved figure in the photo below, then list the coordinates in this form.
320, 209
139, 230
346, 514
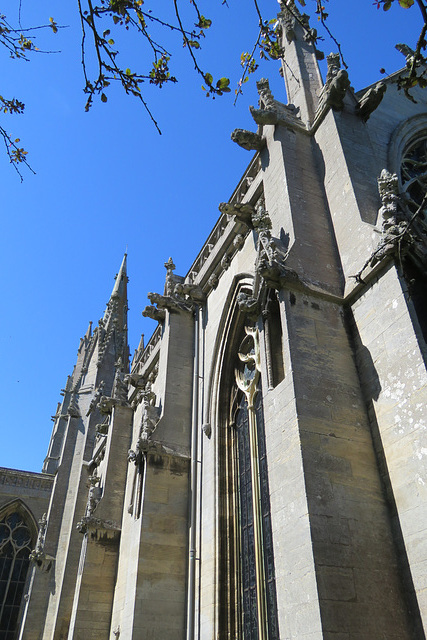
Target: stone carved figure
120, 385
336, 85
96, 397
248, 139
370, 101
94, 496
267, 112
238, 241
170, 280
213, 281
388, 187
337, 90
37, 555
248, 304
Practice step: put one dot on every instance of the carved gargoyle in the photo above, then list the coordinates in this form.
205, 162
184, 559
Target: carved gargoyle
248, 140
172, 303
370, 101
152, 312
192, 291
243, 212
106, 404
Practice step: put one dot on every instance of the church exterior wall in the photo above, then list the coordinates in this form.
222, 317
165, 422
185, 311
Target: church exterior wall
259, 472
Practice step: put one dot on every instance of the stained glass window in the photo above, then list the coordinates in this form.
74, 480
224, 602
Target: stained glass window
257, 576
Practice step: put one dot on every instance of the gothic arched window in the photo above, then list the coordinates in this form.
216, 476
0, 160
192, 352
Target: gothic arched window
247, 548
16, 542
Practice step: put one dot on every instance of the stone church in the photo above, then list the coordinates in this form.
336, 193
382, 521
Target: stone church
258, 472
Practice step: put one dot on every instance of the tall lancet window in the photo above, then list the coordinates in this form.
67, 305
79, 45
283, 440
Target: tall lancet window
16, 542
254, 560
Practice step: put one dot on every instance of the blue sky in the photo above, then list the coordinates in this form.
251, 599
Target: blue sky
106, 180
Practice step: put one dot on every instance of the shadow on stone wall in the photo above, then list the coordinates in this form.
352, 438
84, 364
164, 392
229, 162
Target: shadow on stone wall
371, 388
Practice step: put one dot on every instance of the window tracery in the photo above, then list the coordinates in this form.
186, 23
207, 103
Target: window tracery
413, 175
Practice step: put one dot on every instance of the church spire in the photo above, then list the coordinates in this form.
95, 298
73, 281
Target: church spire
120, 288
114, 322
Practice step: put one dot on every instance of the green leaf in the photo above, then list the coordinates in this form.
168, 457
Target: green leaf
106, 33
128, 72
223, 83
116, 19
204, 23
208, 78
111, 41
406, 3
103, 97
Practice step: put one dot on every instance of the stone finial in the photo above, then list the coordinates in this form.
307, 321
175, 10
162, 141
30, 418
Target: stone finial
370, 101
169, 265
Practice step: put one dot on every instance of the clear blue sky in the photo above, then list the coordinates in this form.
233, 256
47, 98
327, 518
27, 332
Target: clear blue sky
106, 181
